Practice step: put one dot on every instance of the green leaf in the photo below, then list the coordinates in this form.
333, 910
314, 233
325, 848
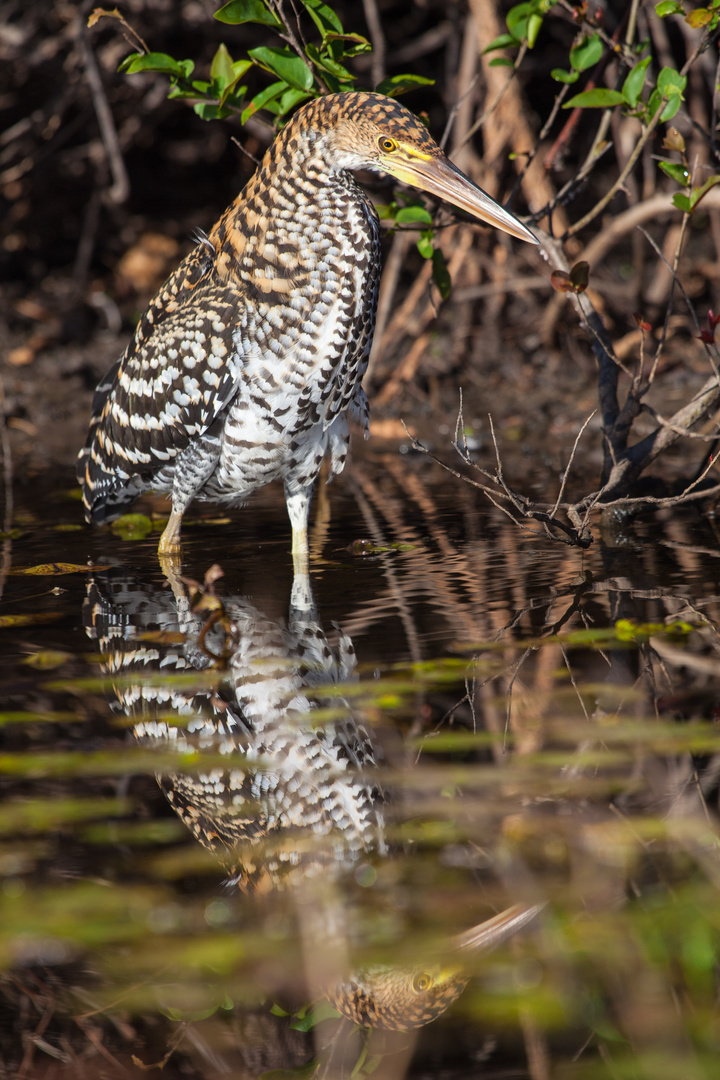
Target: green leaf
288, 101
198, 89
654, 102
669, 7
240, 67
326, 63
517, 21
505, 41
208, 110
242, 11
682, 202
587, 53
671, 108
323, 16
600, 98
336, 85
700, 192
356, 44
632, 87
425, 244
239, 92
441, 277
533, 28
262, 99
386, 212
221, 69
413, 215
671, 81
160, 62
501, 61
284, 63
564, 76
671, 85
400, 84
676, 171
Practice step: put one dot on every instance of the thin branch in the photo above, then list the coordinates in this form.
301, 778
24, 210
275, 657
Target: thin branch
496, 100
619, 183
566, 470
662, 422
121, 184
377, 38
686, 298
632, 160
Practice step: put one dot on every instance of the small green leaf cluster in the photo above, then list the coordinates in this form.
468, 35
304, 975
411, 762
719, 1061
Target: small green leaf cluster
680, 172
583, 55
299, 72
669, 90
415, 214
523, 23
706, 18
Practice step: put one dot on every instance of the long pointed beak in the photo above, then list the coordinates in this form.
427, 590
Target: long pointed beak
493, 932
438, 176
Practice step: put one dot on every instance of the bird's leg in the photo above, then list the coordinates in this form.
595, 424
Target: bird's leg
298, 505
170, 539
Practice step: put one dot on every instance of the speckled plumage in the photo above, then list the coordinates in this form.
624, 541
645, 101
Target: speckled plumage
246, 364
285, 803
288, 798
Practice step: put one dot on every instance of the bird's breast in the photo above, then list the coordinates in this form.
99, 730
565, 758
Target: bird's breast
309, 276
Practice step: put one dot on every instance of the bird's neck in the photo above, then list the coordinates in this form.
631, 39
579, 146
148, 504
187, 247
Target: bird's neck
295, 210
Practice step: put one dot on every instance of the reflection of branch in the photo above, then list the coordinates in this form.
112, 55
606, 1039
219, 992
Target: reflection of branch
375, 531
501, 495
7, 479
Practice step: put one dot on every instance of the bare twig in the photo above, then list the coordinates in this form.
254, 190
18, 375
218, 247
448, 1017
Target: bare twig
568, 467
377, 38
120, 188
634, 156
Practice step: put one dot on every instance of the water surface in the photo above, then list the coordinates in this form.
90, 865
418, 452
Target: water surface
224, 803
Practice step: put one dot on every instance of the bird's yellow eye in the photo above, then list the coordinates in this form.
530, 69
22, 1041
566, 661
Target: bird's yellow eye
421, 981
386, 144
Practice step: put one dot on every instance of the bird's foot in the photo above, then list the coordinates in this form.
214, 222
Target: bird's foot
170, 539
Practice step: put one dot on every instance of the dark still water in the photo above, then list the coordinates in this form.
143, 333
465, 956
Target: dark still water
447, 807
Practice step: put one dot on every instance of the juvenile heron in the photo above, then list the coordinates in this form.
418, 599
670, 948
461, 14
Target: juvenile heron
247, 362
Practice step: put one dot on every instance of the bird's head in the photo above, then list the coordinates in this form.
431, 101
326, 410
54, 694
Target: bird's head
400, 999
370, 131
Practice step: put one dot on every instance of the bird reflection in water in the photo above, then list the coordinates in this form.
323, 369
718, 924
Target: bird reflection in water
292, 798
